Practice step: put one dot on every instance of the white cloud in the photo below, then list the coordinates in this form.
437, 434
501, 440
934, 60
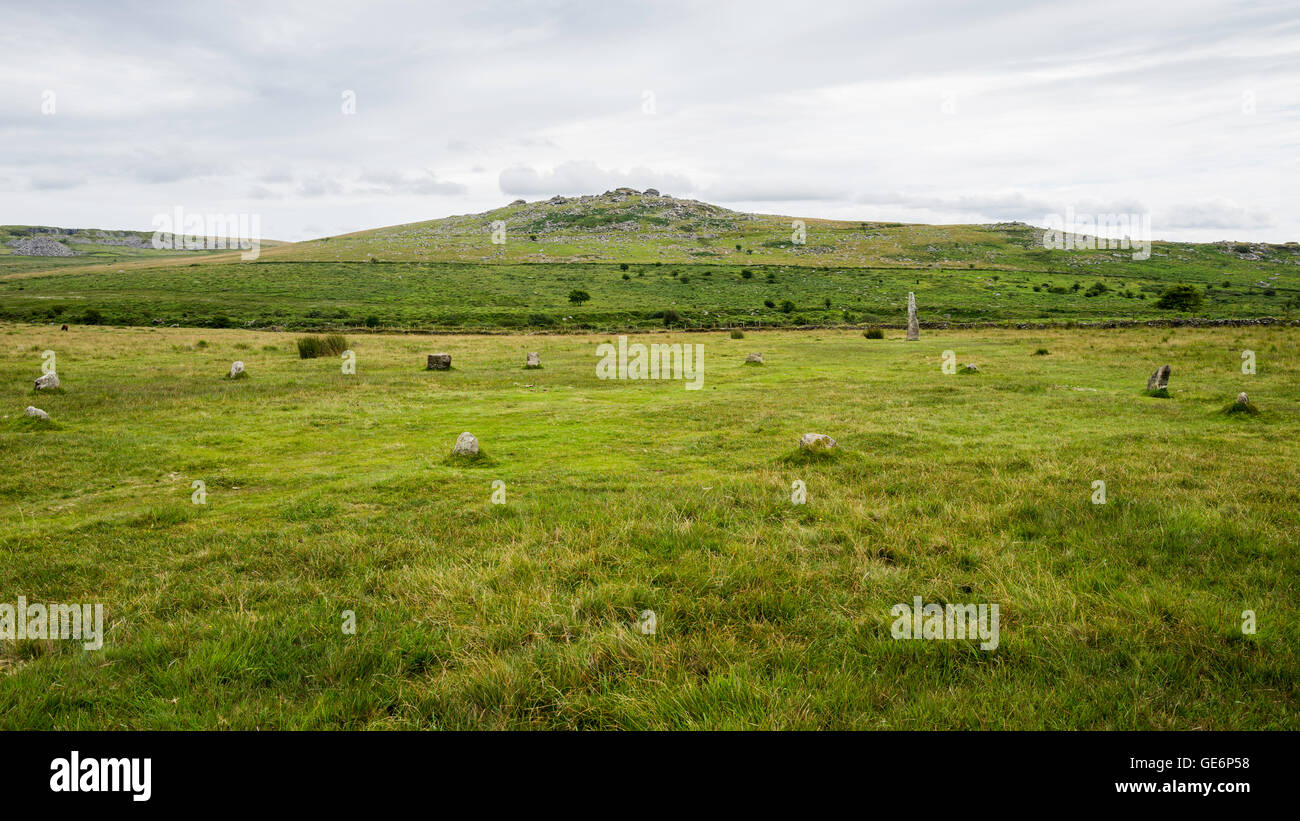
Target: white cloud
927, 110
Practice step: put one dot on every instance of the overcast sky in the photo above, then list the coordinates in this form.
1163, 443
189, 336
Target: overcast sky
909, 111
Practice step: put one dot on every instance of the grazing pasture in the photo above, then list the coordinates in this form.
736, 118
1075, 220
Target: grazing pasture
326, 493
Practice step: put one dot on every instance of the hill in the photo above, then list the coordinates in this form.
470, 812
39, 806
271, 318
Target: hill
647, 259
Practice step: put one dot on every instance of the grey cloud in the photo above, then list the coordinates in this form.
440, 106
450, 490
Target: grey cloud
55, 183
1213, 214
585, 178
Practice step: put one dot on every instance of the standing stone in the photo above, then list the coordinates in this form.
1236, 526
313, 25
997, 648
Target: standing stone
236, 368
439, 362
816, 441
46, 381
534, 360
37, 413
466, 445
1159, 380
1243, 399
756, 358
913, 327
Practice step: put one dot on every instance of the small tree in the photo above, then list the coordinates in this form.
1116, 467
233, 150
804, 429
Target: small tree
1181, 298
578, 297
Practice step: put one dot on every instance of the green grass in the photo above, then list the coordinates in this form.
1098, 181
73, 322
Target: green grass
641, 260
329, 492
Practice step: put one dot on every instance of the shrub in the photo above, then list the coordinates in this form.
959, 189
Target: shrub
736, 333
746, 274
671, 317
92, 317
769, 303
684, 280
372, 321
626, 277
786, 306
1096, 289
622, 266
875, 333
311, 347
578, 297
1181, 298
1040, 352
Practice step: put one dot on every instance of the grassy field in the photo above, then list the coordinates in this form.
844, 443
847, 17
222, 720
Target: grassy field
649, 262
329, 492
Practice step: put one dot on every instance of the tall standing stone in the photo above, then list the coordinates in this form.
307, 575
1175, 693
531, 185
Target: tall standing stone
913, 327
1160, 379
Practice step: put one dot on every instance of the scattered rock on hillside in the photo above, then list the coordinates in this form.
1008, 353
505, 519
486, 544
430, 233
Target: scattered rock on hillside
37, 413
1160, 379
816, 441
40, 247
466, 445
46, 381
756, 358
439, 362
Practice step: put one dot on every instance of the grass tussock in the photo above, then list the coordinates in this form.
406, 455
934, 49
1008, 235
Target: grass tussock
312, 347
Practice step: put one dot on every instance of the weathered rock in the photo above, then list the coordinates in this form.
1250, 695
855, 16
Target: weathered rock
816, 441
46, 381
37, 413
651, 192
439, 362
1243, 399
518, 202
534, 360
466, 445
756, 358
1159, 380
970, 367
40, 247
913, 326
236, 368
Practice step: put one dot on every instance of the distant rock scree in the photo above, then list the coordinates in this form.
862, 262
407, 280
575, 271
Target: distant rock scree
40, 247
